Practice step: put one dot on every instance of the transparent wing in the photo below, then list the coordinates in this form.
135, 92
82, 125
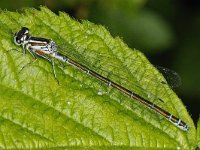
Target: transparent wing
172, 77
98, 62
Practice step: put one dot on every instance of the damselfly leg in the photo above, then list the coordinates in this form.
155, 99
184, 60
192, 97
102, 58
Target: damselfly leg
49, 59
24, 53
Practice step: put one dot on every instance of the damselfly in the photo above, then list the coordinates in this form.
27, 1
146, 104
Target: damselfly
47, 49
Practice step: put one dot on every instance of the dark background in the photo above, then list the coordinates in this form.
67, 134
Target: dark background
167, 32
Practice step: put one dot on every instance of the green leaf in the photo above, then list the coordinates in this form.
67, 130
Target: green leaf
80, 112
198, 133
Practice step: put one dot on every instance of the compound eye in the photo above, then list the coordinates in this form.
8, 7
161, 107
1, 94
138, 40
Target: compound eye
17, 41
21, 36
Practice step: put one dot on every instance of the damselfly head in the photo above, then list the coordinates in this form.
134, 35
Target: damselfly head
21, 36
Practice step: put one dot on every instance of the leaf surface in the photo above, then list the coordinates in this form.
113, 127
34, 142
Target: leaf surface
198, 133
80, 112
